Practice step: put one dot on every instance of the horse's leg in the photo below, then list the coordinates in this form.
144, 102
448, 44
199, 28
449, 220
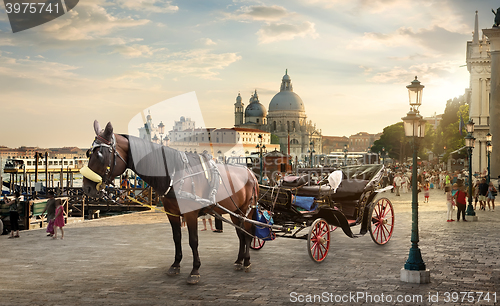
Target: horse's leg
175, 223
243, 260
192, 224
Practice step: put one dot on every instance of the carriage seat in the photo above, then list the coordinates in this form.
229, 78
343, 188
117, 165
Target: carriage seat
348, 190
295, 180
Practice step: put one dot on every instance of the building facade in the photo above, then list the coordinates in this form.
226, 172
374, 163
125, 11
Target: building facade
478, 94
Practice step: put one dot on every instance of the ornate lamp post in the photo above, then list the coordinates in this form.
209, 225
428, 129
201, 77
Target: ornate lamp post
489, 148
311, 151
469, 143
161, 131
260, 147
345, 155
414, 270
383, 156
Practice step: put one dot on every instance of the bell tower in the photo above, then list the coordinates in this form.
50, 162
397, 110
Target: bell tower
238, 111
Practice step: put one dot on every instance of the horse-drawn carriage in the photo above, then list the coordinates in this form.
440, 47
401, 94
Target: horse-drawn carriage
297, 205
193, 184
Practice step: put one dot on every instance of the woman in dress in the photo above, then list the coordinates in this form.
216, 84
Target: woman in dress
59, 219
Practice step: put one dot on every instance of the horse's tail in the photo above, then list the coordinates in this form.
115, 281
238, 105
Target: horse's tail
255, 194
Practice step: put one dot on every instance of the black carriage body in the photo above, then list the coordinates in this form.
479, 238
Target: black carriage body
352, 204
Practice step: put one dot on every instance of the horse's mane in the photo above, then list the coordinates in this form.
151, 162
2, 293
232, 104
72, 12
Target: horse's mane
155, 163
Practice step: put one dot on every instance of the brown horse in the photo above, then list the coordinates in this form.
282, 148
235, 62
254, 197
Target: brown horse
235, 188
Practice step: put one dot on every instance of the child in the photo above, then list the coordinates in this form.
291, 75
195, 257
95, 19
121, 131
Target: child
204, 218
426, 192
460, 197
59, 219
450, 203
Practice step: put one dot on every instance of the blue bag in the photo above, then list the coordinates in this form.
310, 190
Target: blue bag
262, 232
306, 203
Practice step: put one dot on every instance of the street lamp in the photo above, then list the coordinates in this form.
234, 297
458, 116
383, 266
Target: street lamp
489, 148
469, 143
414, 270
383, 156
161, 130
311, 151
345, 155
260, 147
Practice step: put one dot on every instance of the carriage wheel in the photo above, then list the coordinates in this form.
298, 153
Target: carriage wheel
318, 240
257, 243
382, 223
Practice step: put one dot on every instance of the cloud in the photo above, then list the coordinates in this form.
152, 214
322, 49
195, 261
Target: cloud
199, 63
153, 6
274, 28
434, 38
136, 50
285, 31
207, 42
429, 71
267, 13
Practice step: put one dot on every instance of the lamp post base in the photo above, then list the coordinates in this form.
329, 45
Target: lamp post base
415, 277
471, 218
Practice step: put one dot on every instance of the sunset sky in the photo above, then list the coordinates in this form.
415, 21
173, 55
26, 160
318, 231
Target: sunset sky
349, 61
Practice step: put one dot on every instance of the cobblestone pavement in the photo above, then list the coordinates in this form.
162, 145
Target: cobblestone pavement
123, 260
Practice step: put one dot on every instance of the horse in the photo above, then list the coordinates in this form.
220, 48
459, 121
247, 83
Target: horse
235, 188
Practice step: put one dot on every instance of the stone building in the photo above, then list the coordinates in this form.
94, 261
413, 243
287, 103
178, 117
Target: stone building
286, 118
478, 94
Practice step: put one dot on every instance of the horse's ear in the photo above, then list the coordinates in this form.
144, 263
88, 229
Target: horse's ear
97, 127
108, 131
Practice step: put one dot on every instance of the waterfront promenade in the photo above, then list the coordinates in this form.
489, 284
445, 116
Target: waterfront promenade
123, 261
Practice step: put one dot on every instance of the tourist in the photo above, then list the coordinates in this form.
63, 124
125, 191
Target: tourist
475, 193
405, 184
397, 183
483, 192
204, 218
426, 192
59, 219
14, 206
492, 192
450, 203
124, 186
460, 197
50, 208
218, 225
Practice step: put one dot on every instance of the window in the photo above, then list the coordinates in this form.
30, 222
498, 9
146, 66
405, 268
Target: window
257, 120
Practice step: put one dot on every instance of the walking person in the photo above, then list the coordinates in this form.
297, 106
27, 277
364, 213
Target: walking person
426, 192
483, 193
492, 192
59, 219
450, 203
460, 200
14, 206
204, 218
50, 209
397, 183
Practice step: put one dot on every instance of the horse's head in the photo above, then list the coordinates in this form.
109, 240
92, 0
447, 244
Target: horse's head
107, 160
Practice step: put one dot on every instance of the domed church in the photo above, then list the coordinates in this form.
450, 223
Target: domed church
286, 119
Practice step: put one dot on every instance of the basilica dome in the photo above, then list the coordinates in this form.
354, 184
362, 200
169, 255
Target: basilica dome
286, 99
255, 108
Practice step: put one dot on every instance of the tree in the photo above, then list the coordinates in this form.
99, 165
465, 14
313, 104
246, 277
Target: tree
448, 137
393, 140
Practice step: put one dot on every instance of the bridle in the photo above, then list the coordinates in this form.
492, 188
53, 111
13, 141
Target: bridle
100, 142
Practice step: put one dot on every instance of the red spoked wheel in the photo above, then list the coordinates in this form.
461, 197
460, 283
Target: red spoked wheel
257, 243
318, 240
382, 223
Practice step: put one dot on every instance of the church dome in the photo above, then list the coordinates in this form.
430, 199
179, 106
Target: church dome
286, 99
255, 108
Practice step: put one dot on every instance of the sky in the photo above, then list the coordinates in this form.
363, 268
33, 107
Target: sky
349, 61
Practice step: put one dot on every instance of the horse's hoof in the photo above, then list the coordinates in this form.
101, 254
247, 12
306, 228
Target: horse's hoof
173, 271
248, 268
238, 267
193, 279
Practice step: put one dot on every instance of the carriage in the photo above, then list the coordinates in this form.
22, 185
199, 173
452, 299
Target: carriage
308, 211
